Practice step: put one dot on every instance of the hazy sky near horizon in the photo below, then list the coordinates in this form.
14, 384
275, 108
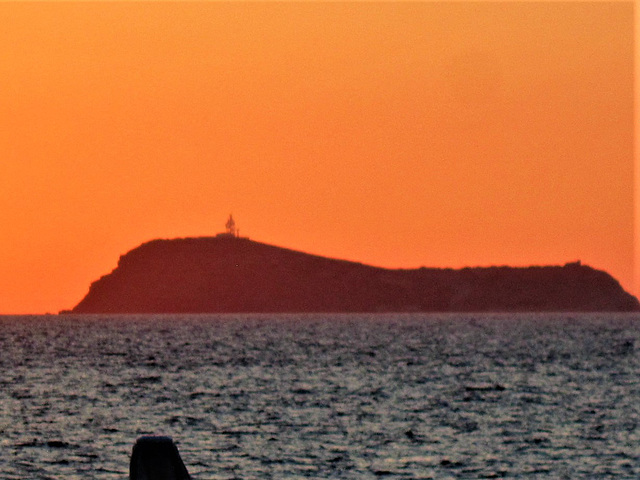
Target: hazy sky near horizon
395, 134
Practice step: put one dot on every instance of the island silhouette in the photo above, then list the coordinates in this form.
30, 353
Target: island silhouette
231, 274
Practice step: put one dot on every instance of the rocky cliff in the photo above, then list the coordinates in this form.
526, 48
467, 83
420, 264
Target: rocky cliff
226, 274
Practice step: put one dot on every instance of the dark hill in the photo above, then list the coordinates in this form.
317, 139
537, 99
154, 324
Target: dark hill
226, 274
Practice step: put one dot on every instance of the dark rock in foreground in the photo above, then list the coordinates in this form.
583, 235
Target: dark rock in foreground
226, 274
156, 458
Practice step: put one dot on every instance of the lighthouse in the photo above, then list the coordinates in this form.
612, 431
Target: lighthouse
231, 226
230, 229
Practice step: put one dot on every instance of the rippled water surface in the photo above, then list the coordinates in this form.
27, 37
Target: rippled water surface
324, 396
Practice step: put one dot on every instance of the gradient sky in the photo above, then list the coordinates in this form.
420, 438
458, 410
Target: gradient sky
395, 134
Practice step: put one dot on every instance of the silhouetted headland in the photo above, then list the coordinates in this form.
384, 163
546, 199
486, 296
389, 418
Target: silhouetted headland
231, 274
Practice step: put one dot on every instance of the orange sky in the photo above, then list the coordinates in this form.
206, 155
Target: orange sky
395, 134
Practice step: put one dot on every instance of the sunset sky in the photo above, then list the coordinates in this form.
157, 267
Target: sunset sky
394, 134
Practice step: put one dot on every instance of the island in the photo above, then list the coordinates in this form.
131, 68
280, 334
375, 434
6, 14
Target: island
231, 274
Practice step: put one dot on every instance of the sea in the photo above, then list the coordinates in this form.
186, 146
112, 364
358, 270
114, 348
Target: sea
324, 396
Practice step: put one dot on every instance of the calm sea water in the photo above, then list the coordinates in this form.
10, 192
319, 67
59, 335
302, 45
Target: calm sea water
324, 396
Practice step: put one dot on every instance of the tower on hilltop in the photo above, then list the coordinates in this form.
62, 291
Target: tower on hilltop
231, 227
